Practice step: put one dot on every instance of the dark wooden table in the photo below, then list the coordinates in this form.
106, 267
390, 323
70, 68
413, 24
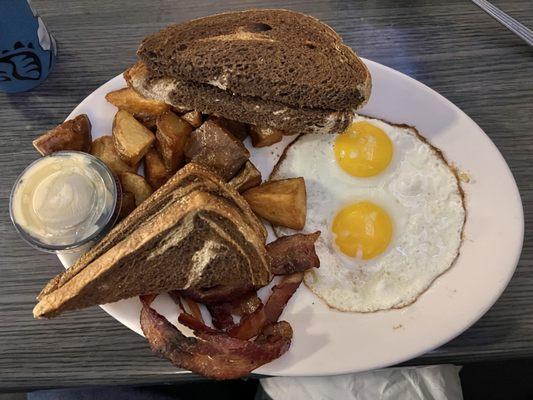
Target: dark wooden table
453, 47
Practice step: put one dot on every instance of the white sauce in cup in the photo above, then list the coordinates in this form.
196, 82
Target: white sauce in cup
63, 200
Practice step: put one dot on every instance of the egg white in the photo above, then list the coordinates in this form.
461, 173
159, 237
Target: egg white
420, 193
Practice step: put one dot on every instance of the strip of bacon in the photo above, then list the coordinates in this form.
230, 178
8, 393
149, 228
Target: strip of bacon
193, 306
254, 323
294, 253
147, 298
214, 355
221, 315
281, 294
175, 295
195, 310
246, 304
190, 321
216, 294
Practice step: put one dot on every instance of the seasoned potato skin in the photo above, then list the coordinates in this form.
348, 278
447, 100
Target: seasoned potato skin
172, 134
193, 117
238, 129
215, 147
104, 149
131, 138
131, 101
74, 134
264, 136
154, 169
137, 185
248, 177
282, 202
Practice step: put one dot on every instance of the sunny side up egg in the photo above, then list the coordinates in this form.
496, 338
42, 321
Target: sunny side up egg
389, 207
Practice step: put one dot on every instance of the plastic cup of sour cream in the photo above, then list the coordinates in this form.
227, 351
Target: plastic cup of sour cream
64, 201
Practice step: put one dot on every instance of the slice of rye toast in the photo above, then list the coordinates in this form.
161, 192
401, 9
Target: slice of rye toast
252, 110
271, 54
179, 248
190, 177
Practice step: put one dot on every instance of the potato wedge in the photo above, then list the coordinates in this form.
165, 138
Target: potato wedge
74, 134
248, 177
149, 121
216, 148
137, 185
181, 109
129, 100
281, 202
193, 117
127, 205
238, 129
104, 149
154, 169
171, 136
131, 138
264, 136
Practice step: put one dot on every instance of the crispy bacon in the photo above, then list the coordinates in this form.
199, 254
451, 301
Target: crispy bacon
281, 294
195, 309
175, 295
214, 355
252, 324
221, 315
216, 294
190, 321
294, 253
246, 304
147, 298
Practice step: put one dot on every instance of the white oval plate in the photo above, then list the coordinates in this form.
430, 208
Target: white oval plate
332, 342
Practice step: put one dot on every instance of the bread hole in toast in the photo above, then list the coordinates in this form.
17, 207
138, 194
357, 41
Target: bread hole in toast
182, 47
310, 45
257, 27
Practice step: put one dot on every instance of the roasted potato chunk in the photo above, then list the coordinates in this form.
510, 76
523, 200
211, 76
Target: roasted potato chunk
127, 205
104, 149
193, 117
281, 202
248, 177
74, 134
131, 138
238, 129
149, 121
137, 185
154, 169
129, 100
171, 136
181, 109
264, 136
216, 148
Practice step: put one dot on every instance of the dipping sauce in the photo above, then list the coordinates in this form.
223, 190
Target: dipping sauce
64, 200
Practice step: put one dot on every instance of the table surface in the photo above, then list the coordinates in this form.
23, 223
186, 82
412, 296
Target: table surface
452, 47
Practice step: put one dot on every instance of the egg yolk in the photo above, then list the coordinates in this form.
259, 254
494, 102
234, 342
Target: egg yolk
363, 150
362, 230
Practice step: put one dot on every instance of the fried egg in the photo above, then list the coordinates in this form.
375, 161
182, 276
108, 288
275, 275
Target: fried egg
389, 207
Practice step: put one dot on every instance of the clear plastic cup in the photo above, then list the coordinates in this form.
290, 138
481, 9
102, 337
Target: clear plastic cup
104, 209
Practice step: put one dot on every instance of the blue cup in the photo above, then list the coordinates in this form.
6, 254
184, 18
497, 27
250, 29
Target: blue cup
27, 50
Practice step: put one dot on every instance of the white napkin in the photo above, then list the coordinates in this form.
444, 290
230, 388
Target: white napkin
437, 382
